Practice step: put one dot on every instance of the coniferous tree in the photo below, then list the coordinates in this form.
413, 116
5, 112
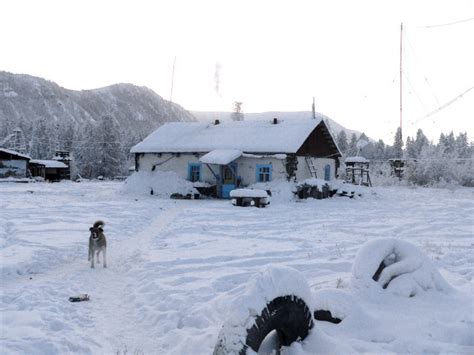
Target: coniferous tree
420, 142
341, 141
398, 144
110, 154
353, 145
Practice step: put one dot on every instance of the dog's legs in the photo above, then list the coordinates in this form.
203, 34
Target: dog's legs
92, 260
98, 259
105, 257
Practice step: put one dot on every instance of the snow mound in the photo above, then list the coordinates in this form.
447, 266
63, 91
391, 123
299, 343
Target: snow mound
275, 281
319, 183
396, 265
282, 190
163, 184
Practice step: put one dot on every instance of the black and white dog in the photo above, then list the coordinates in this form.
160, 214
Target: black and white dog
97, 243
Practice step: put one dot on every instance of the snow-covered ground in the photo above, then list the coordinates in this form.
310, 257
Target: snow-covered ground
175, 268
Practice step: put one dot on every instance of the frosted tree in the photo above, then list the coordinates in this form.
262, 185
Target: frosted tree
353, 145
379, 150
84, 150
420, 142
464, 151
42, 143
341, 140
237, 114
398, 144
110, 155
410, 148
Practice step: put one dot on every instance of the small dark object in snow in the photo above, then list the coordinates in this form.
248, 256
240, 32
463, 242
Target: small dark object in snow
151, 192
79, 298
326, 316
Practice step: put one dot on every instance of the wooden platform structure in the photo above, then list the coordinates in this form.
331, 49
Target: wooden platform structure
357, 171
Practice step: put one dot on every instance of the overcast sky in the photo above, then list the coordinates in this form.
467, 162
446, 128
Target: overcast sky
270, 55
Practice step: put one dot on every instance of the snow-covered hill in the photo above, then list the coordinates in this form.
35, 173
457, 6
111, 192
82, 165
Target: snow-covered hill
25, 100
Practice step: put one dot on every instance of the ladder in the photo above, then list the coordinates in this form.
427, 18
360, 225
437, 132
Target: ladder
311, 167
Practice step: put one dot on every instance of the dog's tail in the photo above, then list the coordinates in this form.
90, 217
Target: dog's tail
99, 224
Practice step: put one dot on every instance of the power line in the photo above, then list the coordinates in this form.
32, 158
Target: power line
449, 23
445, 105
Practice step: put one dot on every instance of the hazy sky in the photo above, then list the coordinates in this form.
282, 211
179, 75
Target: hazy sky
270, 55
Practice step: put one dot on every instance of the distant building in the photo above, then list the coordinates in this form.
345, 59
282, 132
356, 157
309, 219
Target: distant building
51, 170
234, 154
13, 164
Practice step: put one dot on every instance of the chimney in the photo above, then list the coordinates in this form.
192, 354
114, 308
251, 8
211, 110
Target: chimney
275, 120
216, 122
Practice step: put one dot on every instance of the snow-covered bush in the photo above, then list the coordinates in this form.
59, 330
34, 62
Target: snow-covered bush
158, 183
396, 265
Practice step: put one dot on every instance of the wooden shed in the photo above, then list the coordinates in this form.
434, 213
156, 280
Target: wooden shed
13, 164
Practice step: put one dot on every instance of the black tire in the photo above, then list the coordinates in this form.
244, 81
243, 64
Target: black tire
289, 316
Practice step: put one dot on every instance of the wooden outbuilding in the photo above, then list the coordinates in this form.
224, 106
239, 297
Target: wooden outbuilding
51, 170
13, 164
357, 171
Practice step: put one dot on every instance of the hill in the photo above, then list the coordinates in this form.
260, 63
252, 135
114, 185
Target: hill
25, 100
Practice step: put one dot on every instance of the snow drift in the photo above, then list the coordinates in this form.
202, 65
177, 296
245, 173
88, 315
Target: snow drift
162, 183
396, 265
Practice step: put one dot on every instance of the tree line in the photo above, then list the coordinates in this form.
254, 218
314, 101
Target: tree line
450, 160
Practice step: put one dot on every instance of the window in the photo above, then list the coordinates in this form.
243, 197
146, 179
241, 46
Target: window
264, 173
194, 172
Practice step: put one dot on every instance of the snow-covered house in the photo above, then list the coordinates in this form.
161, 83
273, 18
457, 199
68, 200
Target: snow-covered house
52, 170
13, 164
240, 153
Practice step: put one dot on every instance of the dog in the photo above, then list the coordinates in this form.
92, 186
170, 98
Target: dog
97, 243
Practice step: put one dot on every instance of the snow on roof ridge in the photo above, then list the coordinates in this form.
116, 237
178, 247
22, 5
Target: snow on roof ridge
255, 136
14, 152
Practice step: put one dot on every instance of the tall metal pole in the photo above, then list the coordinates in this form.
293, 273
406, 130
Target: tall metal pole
172, 80
401, 74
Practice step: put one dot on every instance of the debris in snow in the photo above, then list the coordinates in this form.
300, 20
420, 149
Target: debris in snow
80, 298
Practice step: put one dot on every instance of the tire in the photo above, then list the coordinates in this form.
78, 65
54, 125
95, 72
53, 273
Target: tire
288, 315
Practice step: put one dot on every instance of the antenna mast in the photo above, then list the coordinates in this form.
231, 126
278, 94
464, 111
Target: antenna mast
401, 72
314, 109
172, 80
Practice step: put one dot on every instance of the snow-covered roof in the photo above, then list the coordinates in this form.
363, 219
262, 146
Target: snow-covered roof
257, 136
356, 159
13, 152
49, 163
221, 156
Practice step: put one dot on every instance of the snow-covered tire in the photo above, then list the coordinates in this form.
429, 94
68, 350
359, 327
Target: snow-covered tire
288, 313
396, 265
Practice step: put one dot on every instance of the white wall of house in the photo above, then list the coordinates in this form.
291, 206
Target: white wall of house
246, 166
304, 173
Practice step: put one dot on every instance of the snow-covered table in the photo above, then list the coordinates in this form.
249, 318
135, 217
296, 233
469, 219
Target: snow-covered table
250, 197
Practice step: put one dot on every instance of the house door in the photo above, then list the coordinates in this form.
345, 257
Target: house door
327, 172
228, 173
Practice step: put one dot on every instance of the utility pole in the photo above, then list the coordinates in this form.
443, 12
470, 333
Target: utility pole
401, 74
172, 80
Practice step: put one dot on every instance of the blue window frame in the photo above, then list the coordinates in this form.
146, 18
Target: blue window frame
264, 172
194, 172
